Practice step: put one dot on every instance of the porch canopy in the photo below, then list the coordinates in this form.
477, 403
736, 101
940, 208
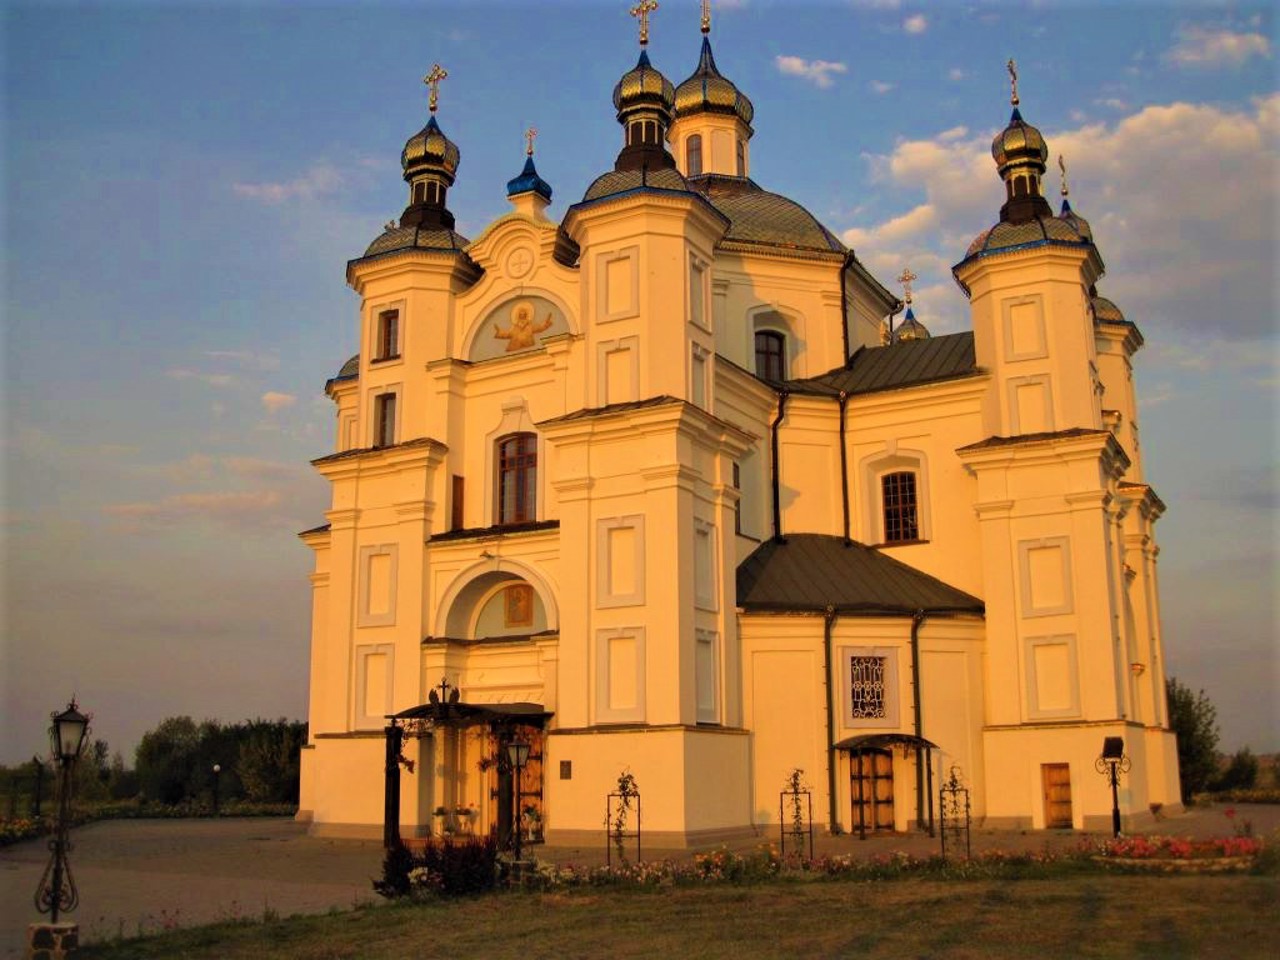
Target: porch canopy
463, 714
885, 741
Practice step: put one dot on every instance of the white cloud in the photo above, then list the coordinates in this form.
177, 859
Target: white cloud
882, 86
878, 4
918, 23
319, 180
1189, 245
273, 401
1112, 103
1207, 47
817, 72
212, 379
955, 133
955, 74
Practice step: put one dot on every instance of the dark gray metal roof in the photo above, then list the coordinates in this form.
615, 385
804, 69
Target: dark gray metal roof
809, 572
1068, 434
908, 363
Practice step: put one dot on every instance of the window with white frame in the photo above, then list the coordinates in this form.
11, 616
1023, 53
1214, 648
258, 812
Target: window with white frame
895, 508
869, 687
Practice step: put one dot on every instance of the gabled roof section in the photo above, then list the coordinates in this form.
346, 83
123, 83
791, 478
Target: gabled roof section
809, 572
908, 363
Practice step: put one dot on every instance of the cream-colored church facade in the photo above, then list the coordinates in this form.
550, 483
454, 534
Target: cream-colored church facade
647, 489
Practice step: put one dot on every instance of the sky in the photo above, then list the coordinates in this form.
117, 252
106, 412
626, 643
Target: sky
184, 183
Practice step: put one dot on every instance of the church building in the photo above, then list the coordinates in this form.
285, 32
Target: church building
675, 487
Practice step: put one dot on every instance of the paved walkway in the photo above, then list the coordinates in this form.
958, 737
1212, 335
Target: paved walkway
145, 875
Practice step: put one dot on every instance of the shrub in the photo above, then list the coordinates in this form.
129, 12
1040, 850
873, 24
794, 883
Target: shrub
449, 867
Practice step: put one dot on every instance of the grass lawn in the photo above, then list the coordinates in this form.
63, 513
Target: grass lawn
1080, 915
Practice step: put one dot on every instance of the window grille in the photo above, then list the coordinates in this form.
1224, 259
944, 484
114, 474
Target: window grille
866, 688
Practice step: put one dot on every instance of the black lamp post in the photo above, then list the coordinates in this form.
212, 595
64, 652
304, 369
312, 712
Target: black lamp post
518, 753
217, 771
57, 889
1111, 764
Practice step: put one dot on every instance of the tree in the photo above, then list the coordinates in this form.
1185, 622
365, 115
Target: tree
167, 758
1241, 772
1194, 719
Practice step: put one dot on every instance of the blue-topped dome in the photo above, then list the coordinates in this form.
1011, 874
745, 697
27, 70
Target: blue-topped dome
1080, 223
529, 182
910, 329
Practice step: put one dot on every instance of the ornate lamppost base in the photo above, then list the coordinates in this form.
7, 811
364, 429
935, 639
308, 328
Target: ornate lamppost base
52, 941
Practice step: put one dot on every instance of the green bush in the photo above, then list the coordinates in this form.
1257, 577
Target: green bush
449, 867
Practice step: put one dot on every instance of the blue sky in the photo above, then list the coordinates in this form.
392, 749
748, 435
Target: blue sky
184, 183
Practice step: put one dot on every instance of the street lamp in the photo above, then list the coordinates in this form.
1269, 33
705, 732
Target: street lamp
217, 769
1111, 764
518, 753
57, 889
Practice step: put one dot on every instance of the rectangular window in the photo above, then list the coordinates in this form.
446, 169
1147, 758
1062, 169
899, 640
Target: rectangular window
867, 688
771, 355
737, 504
456, 519
388, 333
899, 498
384, 420
693, 156
742, 157
707, 676
517, 478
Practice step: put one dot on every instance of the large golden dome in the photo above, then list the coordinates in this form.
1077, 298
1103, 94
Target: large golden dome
643, 86
430, 149
1018, 142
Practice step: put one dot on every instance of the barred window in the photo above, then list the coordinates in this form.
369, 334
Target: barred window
901, 522
866, 687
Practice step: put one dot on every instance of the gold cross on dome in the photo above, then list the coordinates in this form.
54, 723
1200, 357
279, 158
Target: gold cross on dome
1062, 165
641, 12
706, 16
432, 80
1013, 80
529, 136
905, 279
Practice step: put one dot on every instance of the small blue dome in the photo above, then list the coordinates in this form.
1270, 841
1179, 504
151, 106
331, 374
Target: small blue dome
529, 181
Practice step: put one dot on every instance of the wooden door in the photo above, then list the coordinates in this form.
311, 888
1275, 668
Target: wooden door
502, 787
1056, 778
871, 787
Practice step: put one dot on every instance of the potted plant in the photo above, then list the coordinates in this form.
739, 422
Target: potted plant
465, 816
442, 820
531, 821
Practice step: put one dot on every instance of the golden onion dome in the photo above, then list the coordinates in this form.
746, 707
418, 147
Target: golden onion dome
430, 149
1019, 141
643, 86
1080, 224
708, 91
910, 329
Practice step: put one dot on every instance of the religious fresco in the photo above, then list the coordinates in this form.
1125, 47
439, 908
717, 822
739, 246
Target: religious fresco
516, 326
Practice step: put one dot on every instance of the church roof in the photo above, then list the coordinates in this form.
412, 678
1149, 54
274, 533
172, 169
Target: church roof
908, 363
420, 238
758, 217
625, 181
809, 572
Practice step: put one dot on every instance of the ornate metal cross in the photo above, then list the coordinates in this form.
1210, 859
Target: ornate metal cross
530, 135
706, 16
641, 12
905, 279
432, 80
1013, 80
1062, 165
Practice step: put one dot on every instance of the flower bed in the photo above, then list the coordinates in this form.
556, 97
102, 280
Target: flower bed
1180, 854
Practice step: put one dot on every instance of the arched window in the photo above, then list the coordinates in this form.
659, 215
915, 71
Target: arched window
693, 155
901, 507
517, 478
771, 355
